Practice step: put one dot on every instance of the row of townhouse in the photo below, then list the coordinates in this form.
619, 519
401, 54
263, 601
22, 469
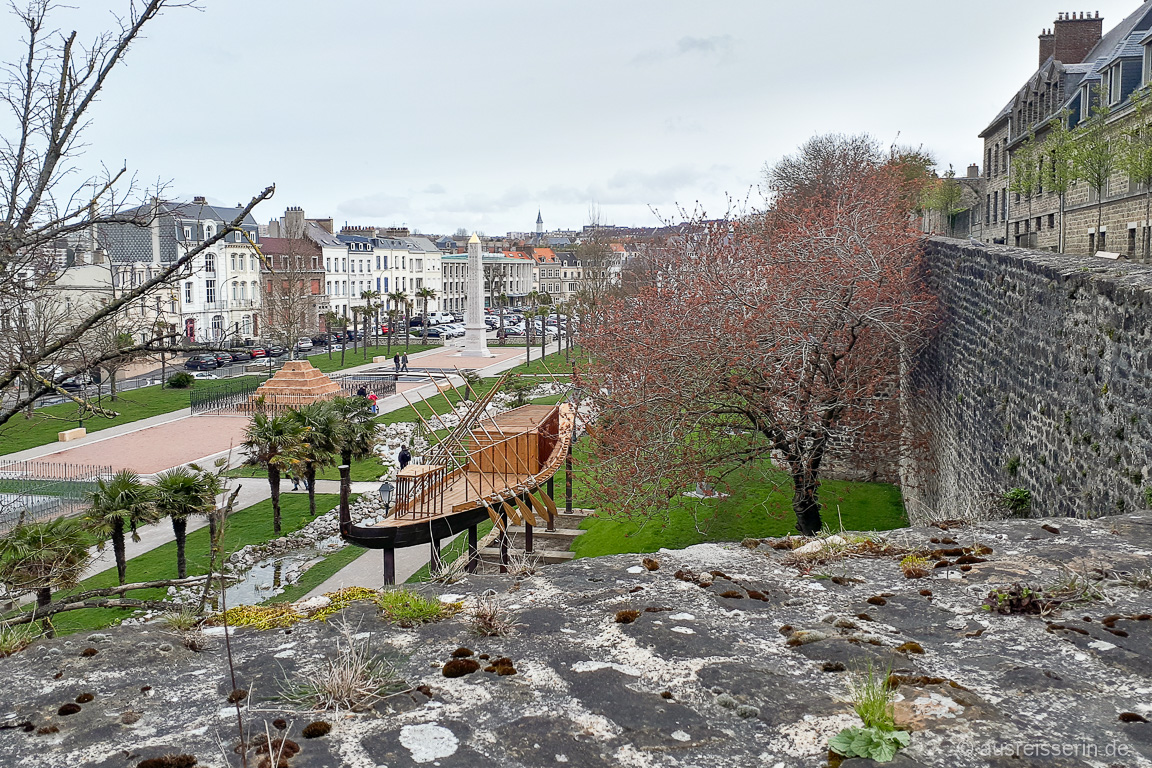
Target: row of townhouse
1079, 66
290, 277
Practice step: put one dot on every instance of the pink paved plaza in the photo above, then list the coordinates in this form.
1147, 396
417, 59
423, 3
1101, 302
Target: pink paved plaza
161, 447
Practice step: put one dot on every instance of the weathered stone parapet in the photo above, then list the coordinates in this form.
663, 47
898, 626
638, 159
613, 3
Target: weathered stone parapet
1038, 378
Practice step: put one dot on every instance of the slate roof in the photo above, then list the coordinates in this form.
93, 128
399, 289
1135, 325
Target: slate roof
1112, 45
131, 243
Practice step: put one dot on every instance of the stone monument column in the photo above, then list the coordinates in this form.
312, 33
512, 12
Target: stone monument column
475, 330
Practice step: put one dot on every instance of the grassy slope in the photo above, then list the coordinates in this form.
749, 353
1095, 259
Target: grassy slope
252, 525
759, 506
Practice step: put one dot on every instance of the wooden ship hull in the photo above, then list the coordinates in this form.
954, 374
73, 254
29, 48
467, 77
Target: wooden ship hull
493, 468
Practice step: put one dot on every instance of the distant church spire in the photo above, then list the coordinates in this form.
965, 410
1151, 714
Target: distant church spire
539, 222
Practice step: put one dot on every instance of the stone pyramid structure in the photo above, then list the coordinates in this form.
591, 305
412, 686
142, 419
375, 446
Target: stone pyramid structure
295, 384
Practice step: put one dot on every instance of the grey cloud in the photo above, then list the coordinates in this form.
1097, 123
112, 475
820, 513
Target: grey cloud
705, 46
434, 189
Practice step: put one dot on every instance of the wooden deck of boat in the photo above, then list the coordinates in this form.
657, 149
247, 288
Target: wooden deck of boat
463, 490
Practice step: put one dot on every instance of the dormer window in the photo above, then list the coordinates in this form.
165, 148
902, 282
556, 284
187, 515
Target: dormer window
1147, 64
1115, 79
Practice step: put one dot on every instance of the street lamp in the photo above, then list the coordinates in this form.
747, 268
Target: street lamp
386, 489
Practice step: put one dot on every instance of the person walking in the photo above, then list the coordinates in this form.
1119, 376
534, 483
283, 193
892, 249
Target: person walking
405, 457
296, 481
396, 361
372, 400
404, 363
362, 392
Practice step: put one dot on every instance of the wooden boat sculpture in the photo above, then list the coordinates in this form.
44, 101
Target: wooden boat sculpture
497, 467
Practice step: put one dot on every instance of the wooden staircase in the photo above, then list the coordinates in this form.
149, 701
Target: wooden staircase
548, 546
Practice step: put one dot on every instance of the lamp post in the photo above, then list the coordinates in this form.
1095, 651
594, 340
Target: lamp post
386, 489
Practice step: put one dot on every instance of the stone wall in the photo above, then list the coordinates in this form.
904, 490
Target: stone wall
1038, 378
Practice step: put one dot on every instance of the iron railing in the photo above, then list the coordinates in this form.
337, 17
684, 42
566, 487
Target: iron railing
33, 491
227, 394
380, 384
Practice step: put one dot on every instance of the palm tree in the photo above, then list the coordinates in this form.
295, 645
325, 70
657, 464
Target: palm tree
43, 557
399, 300
319, 426
270, 443
120, 504
424, 294
181, 492
356, 433
370, 307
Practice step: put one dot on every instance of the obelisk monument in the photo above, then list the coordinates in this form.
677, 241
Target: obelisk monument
475, 330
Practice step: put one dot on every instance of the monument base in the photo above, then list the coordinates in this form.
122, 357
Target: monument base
476, 353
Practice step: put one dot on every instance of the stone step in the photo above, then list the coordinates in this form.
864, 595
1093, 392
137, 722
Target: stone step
539, 531
548, 556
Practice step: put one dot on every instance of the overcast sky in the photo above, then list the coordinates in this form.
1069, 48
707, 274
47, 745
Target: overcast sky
442, 114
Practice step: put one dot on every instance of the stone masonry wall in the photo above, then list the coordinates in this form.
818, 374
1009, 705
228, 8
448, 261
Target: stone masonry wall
1039, 378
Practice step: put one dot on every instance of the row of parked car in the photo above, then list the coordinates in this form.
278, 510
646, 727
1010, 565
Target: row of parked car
209, 361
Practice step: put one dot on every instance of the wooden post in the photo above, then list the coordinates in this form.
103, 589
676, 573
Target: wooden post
551, 495
527, 537
473, 550
389, 567
503, 541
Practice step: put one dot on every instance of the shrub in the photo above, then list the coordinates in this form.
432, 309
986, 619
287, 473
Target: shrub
1018, 502
181, 380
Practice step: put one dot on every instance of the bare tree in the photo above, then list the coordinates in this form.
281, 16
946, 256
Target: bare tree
48, 92
291, 287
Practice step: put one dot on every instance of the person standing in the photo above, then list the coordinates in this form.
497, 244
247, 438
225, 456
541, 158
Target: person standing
372, 400
396, 361
362, 392
404, 363
405, 457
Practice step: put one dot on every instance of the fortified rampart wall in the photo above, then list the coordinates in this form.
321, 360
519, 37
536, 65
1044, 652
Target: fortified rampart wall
1039, 378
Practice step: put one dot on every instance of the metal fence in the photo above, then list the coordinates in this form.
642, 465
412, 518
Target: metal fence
380, 384
224, 395
32, 491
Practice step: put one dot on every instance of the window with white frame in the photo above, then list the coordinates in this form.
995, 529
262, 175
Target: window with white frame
1115, 80
187, 293
235, 291
209, 291
210, 263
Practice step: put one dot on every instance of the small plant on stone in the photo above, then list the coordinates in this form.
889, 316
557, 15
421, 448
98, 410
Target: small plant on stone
17, 638
1078, 587
915, 567
523, 563
353, 679
184, 620
1017, 598
878, 739
410, 609
488, 619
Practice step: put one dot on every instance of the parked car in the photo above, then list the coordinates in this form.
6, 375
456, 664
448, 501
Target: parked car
458, 317
202, 363
204, 375
240, 355
224, 358
513, 330
258, 352
275, 350
81, 380
439, 332
436, 318
304, 344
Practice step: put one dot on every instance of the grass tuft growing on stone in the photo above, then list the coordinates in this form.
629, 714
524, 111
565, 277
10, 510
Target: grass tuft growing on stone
410, 609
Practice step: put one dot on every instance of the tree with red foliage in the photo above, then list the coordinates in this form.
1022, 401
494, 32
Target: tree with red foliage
772, 338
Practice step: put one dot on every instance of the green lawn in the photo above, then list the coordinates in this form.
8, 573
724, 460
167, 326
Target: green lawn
20, 433
252, 525
759, 506
362, 470
553, 363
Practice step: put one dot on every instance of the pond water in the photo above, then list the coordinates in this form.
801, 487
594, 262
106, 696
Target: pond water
270, 577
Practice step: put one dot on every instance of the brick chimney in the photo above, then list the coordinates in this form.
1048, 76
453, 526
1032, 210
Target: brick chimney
1075, 35
1047, 45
